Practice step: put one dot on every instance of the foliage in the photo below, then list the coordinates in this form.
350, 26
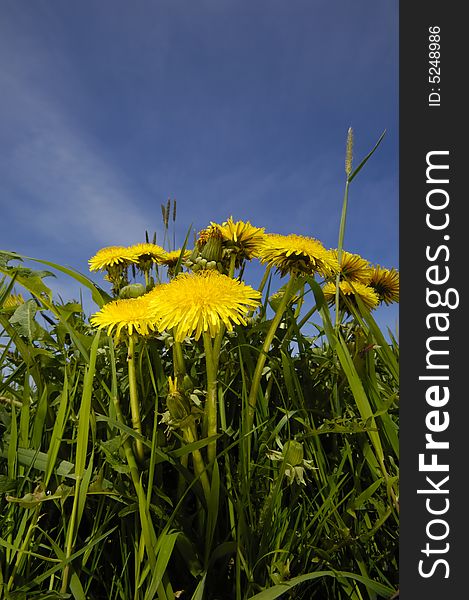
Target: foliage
258, 463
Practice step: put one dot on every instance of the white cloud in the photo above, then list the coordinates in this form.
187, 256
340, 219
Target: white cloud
70, 191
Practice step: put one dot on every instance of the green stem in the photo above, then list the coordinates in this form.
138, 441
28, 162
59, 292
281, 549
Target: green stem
134, 406
190, 436
229, 484
178, 360
309, 314
71, 535
147, 528
232, 265
264, 278
211, 401
256, 380
340, 245
26, 542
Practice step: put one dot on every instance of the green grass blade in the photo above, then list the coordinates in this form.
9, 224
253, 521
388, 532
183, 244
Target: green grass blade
282, 588
365, 160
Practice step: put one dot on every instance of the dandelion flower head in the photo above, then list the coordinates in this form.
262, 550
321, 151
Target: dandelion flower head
130, 314
386, 284
147, 251
112, 256
192, 304
170, 259
297, 253
353, 267
366, 293
242, 236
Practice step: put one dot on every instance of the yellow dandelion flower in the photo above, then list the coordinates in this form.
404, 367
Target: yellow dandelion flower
297, 253
170, 259
386, 284
192, 304
130, 314
209, 244
147, 252
366, 294
209, 232
111, 256
242, 236
353, 267
12, 301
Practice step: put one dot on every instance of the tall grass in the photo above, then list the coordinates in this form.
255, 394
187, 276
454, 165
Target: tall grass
289, 488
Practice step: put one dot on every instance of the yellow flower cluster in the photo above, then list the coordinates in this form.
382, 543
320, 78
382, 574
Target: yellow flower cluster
191, 304
195, 303
373, 284
297, 253
126, 255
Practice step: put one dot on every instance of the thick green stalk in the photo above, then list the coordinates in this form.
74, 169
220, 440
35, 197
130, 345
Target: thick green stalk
190, 436
219, 337
178, 361
133, 391
256, 380
211, 401
264, 278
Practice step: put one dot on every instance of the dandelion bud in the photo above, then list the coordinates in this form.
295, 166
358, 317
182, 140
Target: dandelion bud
293, 453
133, 290
212, 250
178, 405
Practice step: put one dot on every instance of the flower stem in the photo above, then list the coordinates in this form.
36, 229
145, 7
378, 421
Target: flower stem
134, 406
264, 278
147, 528
229, 484
190, 436
256, 380
178, 360
211, 401
219, 337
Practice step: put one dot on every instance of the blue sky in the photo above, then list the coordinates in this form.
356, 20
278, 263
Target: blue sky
232, 107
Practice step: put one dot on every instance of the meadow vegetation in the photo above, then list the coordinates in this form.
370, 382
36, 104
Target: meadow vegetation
196, 437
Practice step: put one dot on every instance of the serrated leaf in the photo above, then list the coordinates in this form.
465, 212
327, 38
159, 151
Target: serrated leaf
23, 320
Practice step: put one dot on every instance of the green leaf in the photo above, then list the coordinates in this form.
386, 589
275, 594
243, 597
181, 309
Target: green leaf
23, 320
30, 458
277, 590
166, 545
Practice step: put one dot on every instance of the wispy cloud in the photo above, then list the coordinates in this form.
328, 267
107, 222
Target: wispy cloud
69, 190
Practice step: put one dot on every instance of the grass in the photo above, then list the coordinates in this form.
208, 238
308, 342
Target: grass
267, 469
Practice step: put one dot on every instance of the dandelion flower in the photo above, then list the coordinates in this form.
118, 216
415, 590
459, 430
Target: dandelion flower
131, 314
242, 236
386, 284
110, 257
353, 267
209, 244
366, 293
192, 304
170, 259
12, 301
147, 252
297, 253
